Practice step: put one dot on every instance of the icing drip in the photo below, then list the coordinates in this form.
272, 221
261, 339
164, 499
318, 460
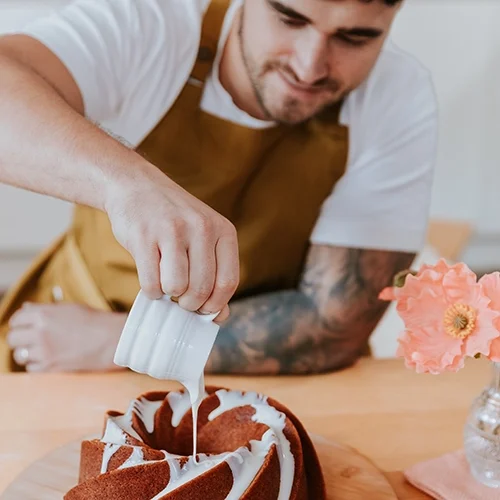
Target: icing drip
117, 428
190, 470
136, 458
234, 399
276, 421
244, 463
196, 390
109, 450
181, 402
146, 411
114, 433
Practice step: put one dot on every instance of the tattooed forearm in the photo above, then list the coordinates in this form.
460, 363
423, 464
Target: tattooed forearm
324, 325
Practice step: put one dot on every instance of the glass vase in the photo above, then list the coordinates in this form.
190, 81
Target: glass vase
482, 433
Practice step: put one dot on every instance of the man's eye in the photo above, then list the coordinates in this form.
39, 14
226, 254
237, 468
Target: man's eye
290, 21
354, 41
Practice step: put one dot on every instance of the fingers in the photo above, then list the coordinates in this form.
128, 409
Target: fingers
32, 358
174, 268
196, 261
148, 269
223, 315
27, 349
202, 267
227, 278
23, 317
21, 337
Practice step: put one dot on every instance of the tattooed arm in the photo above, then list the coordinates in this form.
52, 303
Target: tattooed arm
322, 326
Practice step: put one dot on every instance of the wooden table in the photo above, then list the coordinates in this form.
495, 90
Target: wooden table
390, 414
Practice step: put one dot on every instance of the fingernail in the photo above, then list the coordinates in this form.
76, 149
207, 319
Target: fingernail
204, 313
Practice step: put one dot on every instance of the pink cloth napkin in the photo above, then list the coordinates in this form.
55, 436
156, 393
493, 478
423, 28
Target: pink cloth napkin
448, 478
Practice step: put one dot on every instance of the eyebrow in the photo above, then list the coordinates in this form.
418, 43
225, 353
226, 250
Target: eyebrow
288, 11
361, 32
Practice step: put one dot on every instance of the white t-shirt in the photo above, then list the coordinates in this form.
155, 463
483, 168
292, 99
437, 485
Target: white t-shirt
131, 58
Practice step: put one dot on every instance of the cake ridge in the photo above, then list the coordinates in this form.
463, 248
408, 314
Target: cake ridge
272, 437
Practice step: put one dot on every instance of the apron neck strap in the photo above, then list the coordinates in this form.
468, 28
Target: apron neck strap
210, 34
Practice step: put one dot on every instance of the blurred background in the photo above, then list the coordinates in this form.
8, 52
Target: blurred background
458, 40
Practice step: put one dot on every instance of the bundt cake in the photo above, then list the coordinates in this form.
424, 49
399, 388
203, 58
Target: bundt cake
250, 447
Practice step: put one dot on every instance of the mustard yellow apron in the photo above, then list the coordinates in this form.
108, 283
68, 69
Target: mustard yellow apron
271, 183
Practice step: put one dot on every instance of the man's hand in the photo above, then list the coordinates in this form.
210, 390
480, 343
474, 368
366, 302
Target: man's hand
65, 338
181, 246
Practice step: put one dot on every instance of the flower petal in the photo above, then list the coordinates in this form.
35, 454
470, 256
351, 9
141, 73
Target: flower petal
479, 341
427, 352
388, 293
491, 287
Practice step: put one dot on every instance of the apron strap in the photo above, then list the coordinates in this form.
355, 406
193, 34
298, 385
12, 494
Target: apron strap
210, 33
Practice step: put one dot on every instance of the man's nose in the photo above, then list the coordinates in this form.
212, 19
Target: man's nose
310, 63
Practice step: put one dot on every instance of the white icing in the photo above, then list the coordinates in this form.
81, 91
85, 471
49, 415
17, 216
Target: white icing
266, 414
146, 411
190, 470
109, 450
114, 433
124, 422
244, 463
275, 420
117, 428
136, 458
235, 399
180, 404
194, 410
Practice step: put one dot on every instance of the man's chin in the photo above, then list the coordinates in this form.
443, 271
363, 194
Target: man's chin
293, 112
293, 116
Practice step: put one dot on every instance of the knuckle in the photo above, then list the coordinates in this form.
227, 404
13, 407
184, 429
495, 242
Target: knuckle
175, 289
228, 228
229, 285
177, 227
42, 320
203, 224
150, 288
201, 292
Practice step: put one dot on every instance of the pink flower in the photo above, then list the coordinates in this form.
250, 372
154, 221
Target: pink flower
389, 293
491, 288
447, 318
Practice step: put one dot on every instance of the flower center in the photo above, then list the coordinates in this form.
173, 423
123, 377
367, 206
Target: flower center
460, 320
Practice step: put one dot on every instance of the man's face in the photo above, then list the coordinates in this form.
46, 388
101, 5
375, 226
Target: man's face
303, 55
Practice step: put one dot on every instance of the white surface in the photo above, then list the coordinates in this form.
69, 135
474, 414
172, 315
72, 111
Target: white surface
459, 41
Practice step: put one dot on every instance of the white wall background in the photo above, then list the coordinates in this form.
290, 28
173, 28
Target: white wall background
457, 39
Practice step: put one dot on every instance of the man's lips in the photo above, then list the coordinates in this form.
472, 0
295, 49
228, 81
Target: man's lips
301, 88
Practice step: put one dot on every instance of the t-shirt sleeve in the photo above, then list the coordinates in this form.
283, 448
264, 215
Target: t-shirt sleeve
383, 199
119, 49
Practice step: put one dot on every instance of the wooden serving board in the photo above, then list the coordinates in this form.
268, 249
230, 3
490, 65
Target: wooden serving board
348, 475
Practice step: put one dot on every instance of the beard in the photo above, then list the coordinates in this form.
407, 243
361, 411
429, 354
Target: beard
280, 108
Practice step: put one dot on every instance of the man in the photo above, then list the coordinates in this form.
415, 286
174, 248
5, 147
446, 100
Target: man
277, 154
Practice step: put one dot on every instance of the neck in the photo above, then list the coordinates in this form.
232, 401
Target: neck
234, 75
